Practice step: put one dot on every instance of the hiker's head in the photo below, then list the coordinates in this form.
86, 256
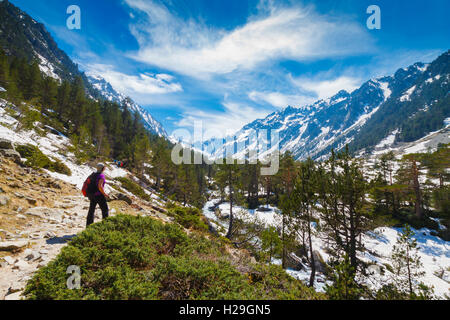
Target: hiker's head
100, 167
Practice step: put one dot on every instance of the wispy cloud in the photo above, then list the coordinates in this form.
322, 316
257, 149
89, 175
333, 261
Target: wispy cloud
280, 100
144, 83
325, 88
191, 48
220, 124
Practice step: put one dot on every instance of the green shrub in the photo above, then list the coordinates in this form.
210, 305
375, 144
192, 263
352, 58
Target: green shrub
134, 188
188, 217
29, 118
37, 160
58, 166
126, 257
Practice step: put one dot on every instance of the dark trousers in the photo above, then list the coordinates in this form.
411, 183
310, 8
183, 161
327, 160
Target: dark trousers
101, 201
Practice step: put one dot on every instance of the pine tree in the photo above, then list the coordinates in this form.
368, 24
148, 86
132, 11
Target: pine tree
228, 178
304, 198
63, 101
78, 107
344, 208
408, 175
271, 243
4, 69
344, 286
407, 266
48, 93
382, 190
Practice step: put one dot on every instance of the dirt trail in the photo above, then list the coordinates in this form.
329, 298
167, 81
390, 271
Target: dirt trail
38, 216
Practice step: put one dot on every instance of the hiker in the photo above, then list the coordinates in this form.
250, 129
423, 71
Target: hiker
94, 190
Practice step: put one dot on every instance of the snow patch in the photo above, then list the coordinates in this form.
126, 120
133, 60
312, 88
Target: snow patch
407, 95
386, 91
388, 141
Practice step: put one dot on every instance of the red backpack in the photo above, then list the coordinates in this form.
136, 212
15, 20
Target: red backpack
90, 185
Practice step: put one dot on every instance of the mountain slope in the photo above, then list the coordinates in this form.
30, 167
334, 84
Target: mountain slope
22, 36
415, 109
414, 101
110, 94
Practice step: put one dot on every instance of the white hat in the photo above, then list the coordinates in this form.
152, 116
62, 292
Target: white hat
100, 166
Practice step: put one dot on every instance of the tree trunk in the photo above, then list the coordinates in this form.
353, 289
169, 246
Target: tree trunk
230, 226
418, 200
352, 240
311, 252
409, 273
283, 249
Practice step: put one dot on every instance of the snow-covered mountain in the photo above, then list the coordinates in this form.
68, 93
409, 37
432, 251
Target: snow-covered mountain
358, 119
106, 90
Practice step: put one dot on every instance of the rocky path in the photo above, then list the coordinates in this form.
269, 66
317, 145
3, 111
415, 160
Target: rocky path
39, 215
41, 242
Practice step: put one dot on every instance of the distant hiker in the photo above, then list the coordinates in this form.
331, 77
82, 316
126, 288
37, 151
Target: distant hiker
93, 188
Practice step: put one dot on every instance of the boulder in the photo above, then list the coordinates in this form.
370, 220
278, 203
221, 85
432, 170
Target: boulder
6, 144
12, 246
43, 263
221, 215
320, 263
44, 212
4, 200
293, 262
124, 197
10, 153
31, 255
21, 265
44, 251
15, 287
49, 235
13, 297
158, 209
15, 184
10, 260
31, 201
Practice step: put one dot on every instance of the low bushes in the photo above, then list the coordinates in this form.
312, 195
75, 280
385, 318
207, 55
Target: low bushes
134, 188
188, 217
126, 257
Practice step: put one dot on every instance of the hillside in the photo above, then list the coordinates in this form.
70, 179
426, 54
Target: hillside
110, 94
23, 37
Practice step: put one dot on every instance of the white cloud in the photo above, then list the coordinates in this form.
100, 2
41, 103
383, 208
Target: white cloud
326, 88
221, 124
146, 84
280, 100
189, 47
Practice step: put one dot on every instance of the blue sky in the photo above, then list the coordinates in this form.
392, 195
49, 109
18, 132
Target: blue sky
228, 62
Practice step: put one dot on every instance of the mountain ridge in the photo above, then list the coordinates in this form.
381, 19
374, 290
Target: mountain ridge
347, 118
111, 94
